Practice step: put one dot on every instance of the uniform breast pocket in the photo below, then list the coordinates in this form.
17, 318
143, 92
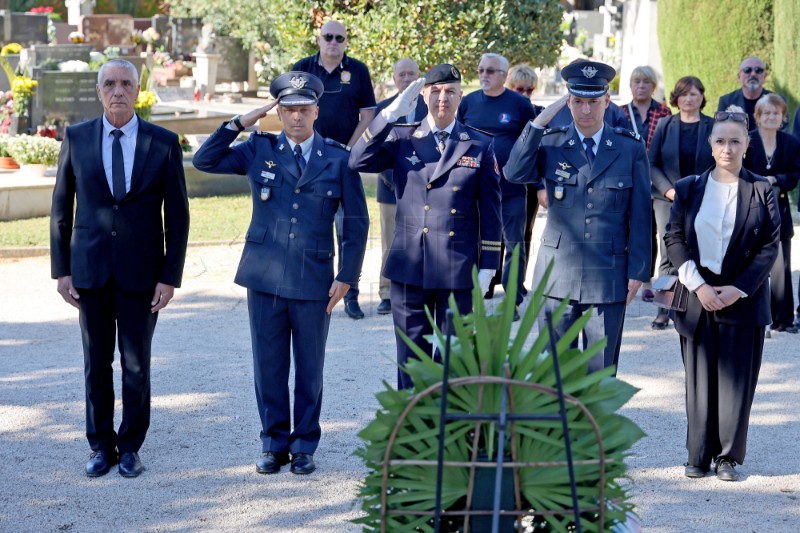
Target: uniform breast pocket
618, 193
561, 191
330, 195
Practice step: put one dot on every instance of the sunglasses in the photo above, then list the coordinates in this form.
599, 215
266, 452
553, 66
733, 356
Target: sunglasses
329, 37
757, 70
489, 71
723, 116
524, 90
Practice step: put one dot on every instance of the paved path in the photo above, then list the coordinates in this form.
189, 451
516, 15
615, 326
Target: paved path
203, 442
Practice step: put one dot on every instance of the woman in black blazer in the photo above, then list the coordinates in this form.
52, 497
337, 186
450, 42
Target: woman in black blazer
775, 155
723, 239
679, 148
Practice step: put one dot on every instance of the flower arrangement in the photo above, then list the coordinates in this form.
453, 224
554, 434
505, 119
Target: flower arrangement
11, 49
33, 149
150, 35
186, 145
76, 37
4, 140
144, 104
162, 59
74, 66
23, 88
6, 106
42, 9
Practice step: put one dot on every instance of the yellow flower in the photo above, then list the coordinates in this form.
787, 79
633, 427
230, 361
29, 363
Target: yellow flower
146, 99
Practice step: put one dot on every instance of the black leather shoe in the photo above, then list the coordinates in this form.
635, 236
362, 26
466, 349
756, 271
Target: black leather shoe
516, 314
353, 310
130, 465
725, 469
303, 463
271, 462
694, 471
100, 462
489, 294
385, 307
661, 321
791, 329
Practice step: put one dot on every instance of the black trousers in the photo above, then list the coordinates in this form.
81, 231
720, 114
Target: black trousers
780, 285
722, 362
107, 313
408, 311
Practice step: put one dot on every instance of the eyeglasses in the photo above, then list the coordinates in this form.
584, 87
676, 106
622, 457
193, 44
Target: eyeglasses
723, 116
329, 37
524, 90
757, 70
489, 71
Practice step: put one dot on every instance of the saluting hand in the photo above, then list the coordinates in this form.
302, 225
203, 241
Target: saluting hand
257, 114
336, 292
404, 104
544, 118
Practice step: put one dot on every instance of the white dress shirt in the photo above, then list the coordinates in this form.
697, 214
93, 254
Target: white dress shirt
128, 141
305, 146
713, 227
434, 129
596, 138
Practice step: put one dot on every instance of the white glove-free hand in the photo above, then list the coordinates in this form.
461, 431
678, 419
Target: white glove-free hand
484, 279
405, 103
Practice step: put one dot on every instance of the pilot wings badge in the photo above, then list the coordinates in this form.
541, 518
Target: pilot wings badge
414, 159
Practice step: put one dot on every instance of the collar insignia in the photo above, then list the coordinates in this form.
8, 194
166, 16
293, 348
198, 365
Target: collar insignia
608, 142
270, 164
280, 147
419, 134
589, 72
414, 159
464, 136
571, 142
319, 153
298, 82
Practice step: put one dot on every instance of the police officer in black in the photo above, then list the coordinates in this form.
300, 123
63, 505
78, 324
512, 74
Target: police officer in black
298, 181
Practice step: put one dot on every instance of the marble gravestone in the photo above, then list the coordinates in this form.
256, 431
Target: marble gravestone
102, 31
64, 98
186, 34
23, 28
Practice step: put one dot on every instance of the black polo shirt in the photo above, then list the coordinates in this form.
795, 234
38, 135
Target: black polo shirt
348, 89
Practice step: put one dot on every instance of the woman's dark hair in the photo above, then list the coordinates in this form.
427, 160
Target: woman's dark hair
683, 86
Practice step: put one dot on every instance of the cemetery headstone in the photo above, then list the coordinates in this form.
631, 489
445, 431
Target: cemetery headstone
186, 33
233, 65
64, 98
23, 28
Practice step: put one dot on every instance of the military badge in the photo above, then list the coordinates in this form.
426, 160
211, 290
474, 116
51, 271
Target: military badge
280, 147
270, 164
319, 153
571, 142
346, 76
463, 136
564, 166
589, 71
414, 159
608, 142
267, 175
419, 134
558, 193
469, 162
298, 82
266, 192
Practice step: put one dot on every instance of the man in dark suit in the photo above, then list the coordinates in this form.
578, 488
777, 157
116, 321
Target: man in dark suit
596, 183
405, 71
117, 261
298, 180
447, 187
752, 74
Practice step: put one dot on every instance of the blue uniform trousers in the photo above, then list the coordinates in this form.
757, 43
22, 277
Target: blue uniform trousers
607, 320
276, 322
408, 311
514, 211
352, 292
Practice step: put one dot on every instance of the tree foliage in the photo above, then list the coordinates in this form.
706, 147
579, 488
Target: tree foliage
786, 73
710, 39
382, 31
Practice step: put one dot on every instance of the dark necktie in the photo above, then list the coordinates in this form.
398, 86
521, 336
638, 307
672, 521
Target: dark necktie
441, 137
588, 143
298, 156
117, 167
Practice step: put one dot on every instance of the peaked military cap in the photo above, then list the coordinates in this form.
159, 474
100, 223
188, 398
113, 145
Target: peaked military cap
297, 88
444, 73
588, 79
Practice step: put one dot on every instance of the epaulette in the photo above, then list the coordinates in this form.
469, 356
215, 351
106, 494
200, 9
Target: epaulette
480, 130
627, 133
560, 129
337, 144
267, 134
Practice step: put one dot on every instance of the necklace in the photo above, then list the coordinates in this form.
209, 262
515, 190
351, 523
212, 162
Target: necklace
770, 157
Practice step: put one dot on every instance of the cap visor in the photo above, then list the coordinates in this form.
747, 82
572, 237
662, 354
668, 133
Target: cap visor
296, 99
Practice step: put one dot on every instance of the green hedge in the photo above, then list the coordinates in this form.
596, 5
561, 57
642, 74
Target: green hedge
709, 39
786, 75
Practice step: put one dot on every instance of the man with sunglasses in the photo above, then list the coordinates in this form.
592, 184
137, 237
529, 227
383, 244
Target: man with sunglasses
345, 108
752, 73
502, 113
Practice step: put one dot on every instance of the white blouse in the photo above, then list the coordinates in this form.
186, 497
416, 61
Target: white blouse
714, 228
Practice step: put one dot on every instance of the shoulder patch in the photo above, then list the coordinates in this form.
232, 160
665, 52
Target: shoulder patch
560, 129
627, 133
267, 135
337, 144
479, 130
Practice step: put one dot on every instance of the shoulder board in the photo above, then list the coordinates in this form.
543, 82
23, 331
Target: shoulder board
337, 144
560, 129
479, 130
266, 134
628, 133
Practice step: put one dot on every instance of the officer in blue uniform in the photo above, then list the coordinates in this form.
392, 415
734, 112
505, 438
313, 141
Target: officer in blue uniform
597, 182
446, 182
298, 180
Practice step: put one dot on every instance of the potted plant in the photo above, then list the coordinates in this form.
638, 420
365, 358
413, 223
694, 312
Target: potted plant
6, 161
34, 153
401, 444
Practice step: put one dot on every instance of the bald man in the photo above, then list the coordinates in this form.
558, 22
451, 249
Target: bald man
345, 109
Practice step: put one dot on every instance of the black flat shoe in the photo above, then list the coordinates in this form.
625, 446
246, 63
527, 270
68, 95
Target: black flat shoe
693, 471
385, 307
353, 310
130, 465
100, 462
725, 469
303, 463
271, 462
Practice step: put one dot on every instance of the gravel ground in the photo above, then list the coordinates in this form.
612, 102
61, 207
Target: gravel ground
203, 442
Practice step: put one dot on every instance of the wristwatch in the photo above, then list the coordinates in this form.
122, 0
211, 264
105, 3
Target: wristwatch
237, 123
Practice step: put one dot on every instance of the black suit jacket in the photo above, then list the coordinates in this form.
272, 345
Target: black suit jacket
127, 241
664, 153
751, 252
785, 167
737, 98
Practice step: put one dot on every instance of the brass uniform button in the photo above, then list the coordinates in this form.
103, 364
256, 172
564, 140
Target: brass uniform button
425, 230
